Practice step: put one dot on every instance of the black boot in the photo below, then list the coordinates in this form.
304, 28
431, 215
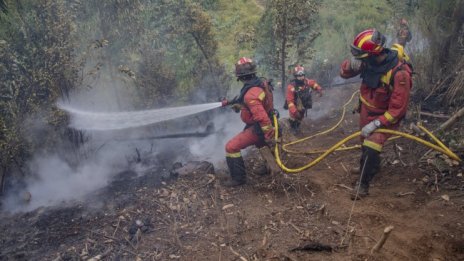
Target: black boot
295, 126
370, 166
237, 172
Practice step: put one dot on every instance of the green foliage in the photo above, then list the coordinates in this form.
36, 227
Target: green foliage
287, 33
3, 7
438, 51
37, 65
338, 24
166, 52
234, 24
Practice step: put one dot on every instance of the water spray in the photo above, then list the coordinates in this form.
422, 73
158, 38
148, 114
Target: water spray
86, 120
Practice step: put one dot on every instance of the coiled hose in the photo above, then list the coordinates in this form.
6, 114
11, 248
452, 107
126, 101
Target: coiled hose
338, 146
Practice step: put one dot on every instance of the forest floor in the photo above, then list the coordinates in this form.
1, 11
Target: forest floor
304, 216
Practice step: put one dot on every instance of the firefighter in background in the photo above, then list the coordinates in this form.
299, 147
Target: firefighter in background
256, 110
403, 34
299, 96
384, 95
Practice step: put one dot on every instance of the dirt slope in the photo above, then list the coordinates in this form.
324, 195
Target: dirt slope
195, 218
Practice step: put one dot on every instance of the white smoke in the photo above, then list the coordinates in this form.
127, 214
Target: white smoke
55, 181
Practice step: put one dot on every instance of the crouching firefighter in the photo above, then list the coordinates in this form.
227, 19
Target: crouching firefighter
256, 112
384, 97
299, 96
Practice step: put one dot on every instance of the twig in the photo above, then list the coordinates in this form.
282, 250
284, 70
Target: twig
130, 243
101, 256
425, 154
343, 186
103, 235
117, 226
321, 210
344, 168
386, 233
404, 194
295, 227
264, 242
237, 254
442, 116
416, 129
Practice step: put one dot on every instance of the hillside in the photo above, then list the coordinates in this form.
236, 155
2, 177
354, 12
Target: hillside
305, 216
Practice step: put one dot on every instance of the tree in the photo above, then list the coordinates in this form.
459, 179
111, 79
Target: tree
37, 67
289, 33
3, 7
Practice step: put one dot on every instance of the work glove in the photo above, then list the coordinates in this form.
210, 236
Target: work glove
367, 130
234, 104
224, 101
355, 64
236, 107
274, 112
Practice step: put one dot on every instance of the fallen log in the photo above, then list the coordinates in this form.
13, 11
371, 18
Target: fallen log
451, 120
270, 161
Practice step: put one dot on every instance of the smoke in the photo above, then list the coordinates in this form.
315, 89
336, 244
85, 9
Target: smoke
55, 181
212, 148
329, 104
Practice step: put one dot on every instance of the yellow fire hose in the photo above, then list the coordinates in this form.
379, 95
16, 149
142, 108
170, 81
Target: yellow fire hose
338, 146
284, 147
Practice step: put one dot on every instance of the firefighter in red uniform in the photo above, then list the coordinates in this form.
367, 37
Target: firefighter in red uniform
403, 35
298, 97
384, 96
257, 107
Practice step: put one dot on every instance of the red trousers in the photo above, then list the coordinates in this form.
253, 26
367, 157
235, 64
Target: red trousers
242, 140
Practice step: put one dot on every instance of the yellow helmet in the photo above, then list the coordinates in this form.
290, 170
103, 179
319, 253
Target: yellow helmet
400, 50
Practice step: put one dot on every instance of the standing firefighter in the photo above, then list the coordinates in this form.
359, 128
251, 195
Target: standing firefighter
299, 96
384, 96
257, 107
403, 35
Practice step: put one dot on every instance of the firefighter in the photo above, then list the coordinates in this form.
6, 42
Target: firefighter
403, 34
256, 110
299, 96
384, 96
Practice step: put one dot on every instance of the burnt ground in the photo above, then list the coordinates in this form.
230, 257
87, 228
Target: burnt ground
185, 214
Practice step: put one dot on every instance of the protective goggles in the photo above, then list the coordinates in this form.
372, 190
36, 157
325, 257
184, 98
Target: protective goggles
299, 73
358, 53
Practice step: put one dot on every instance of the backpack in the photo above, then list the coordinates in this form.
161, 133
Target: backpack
268, 102
304, 98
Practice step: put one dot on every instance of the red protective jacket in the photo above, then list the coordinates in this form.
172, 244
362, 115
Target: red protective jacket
388, 102
258, 104
290, 97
